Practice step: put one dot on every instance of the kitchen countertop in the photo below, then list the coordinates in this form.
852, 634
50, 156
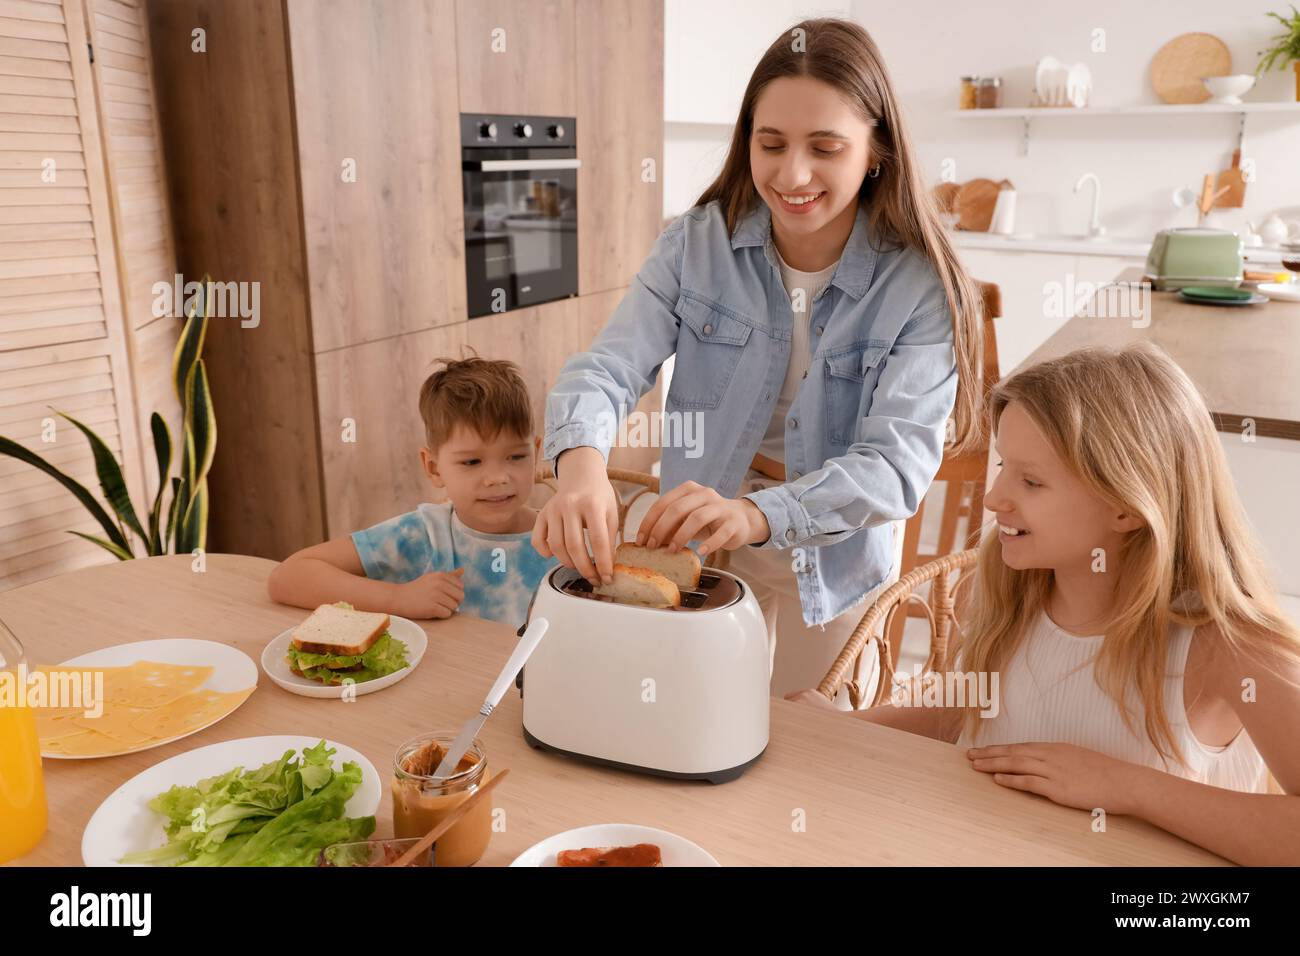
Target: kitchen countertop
1126, 247
868, 794
1244, 359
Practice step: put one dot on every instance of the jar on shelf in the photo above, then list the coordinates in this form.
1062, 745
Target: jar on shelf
968, 98
988, 92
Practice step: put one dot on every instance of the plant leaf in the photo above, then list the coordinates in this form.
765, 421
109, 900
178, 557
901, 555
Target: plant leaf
162, 446
108, 546
187, 450
202, 422
15, 450
190, 344
179, 499
195, 522
111, 481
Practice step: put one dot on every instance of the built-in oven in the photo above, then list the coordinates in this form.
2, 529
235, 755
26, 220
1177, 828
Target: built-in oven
520, 179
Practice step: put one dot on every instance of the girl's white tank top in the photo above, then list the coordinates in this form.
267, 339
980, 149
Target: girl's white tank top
1049, 693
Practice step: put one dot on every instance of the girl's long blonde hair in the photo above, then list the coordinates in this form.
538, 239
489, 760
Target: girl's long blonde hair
1132, 426
901, 209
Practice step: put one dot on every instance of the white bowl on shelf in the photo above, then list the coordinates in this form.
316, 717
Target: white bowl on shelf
1228, 89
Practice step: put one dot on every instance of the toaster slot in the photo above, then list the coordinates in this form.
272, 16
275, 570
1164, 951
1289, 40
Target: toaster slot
694, 599
714, 591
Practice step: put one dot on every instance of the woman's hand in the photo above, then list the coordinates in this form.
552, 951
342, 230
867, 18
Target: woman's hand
433, 595
1065, 774
584, 499
690, 509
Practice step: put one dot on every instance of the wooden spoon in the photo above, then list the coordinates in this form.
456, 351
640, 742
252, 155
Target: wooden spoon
426, 841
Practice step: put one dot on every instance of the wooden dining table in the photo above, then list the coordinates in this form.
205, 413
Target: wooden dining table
829, 790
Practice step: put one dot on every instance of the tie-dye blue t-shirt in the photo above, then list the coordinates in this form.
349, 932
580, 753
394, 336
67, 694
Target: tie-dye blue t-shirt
501, 570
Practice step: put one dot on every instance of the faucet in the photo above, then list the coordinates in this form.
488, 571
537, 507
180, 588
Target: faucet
1095, 229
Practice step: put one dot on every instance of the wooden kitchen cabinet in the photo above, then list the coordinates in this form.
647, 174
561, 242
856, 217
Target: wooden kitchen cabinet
379, 162
517, 57
314, 149
620, 139
228, 124
603, 64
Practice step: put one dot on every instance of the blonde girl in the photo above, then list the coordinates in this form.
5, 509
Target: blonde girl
1145, 666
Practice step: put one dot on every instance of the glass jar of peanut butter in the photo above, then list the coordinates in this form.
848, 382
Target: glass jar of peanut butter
420, 800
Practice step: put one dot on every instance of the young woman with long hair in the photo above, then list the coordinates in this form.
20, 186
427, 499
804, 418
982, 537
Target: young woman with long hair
826, 339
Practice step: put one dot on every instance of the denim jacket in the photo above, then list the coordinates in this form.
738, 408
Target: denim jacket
864, 434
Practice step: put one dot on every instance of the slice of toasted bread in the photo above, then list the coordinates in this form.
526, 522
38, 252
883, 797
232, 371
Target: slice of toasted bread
681, 567
640, 586
337, 630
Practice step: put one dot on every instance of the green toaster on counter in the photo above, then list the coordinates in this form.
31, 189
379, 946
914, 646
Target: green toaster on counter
1194, 256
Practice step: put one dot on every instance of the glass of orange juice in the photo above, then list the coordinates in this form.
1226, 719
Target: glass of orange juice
22, 788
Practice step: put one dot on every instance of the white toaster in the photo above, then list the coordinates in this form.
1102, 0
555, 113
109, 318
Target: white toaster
679, 692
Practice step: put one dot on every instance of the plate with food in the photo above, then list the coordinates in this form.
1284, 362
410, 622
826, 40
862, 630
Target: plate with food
339, 651
615, 844
257, 801
132, 697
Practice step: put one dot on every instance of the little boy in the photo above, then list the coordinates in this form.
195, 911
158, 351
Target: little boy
472, 553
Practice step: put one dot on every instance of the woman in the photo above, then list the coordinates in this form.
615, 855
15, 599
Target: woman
824, 332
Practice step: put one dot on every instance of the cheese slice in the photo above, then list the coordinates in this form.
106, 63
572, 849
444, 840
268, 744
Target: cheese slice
189, 713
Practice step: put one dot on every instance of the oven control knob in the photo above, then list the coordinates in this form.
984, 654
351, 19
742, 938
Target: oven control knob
487, 130
556, 131
523, 130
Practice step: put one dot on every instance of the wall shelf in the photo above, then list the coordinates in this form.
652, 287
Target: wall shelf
1028, 113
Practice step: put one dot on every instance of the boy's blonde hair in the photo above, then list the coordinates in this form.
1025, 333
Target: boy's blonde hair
482, 394
1132, 426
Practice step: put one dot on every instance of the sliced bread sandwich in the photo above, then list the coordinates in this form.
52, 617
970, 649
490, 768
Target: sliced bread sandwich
337, 641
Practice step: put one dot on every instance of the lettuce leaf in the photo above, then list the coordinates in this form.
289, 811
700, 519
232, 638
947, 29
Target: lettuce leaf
383, 657
280, 814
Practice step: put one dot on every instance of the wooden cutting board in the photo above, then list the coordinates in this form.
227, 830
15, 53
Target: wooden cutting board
1178, 66
1234, 180
974, 204
945, 194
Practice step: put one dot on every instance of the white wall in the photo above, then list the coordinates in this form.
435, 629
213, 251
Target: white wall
711, 48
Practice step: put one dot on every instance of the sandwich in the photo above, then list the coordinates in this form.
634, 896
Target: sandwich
338, 643
651, 577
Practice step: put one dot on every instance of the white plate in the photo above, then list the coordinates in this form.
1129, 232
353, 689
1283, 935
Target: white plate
1288, 291
232, 670
124, 823
675, 850
277, 667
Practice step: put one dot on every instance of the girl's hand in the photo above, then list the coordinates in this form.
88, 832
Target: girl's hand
433, 595
690, 509
584, 500
1065, 774
810, 697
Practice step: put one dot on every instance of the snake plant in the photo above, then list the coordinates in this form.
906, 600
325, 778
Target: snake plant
187, 515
